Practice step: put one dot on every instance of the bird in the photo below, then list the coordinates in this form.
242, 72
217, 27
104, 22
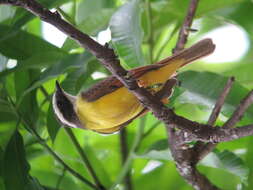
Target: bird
108, 106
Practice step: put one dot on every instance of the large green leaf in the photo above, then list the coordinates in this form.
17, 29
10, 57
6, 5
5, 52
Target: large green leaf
127, 33
16, 168
96, 22
228, 161
87, 8
21, 45
203, 88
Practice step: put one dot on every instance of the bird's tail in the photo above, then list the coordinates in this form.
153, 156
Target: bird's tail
197, 51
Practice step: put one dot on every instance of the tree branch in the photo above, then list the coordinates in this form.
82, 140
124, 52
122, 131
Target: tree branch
201, 148
186, 27
240, 110
183, 158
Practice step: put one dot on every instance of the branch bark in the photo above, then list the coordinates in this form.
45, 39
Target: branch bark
186, 27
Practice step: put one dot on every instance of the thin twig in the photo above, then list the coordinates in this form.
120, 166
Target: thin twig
150, 31
185, 29
217, 108
201, 148
84, 158
240, 110
124, 155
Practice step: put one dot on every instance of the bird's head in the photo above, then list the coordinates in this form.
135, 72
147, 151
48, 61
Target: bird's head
64, 108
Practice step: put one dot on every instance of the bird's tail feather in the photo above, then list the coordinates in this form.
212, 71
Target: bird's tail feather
197, 51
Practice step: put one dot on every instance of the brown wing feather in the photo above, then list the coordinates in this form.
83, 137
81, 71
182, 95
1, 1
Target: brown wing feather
111, 84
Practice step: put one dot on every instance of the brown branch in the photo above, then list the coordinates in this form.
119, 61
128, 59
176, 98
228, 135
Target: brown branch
187, 169
185, 158
124, 155
185, 29
201, 148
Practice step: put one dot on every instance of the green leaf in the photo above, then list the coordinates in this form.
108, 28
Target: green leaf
6, 12
75, 61
28, 102
95, 22
127, 33
203, 88
21, 45
16, 168
157, 151
89, 7
53, 125
228, 161
6, 132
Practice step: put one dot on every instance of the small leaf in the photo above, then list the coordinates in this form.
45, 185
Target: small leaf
127, 33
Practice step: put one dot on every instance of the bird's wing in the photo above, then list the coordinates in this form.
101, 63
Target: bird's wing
188, 55
111, 83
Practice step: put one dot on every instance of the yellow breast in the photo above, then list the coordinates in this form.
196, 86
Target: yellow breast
108, 111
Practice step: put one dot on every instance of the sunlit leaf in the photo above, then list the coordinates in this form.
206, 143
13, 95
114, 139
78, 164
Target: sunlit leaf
127, 33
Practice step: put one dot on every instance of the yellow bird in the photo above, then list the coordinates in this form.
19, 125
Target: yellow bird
108, 105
